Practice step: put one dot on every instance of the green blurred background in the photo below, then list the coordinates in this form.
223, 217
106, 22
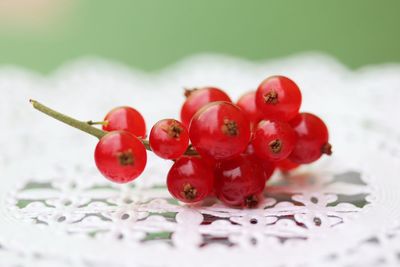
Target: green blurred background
153, 34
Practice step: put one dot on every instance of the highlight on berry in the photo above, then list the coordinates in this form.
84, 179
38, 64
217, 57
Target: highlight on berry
220, 148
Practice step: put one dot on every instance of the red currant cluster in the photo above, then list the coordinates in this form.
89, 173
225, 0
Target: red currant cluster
234, 148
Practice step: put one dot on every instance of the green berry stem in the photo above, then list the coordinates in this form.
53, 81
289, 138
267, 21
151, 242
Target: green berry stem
86, 126
81, 125
97, 122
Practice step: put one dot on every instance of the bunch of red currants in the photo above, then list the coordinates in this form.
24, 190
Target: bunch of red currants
219, 148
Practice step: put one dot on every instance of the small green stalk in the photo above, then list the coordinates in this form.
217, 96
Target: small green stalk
81, 125
86, 126
105, 123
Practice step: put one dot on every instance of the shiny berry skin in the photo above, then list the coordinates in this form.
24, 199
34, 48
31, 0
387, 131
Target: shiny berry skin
220, 131
190, 179
125, 119
169, 139
274, 140
198, 98
268, 166
269, 169
239, 182
278, 98
247, 103
286, 165
120, 156
312, 139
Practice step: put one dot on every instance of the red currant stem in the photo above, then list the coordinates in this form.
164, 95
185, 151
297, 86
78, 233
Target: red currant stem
81, 125
86, 127
97, 122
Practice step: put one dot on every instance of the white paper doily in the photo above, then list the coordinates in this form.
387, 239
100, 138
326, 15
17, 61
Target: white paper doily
56, 210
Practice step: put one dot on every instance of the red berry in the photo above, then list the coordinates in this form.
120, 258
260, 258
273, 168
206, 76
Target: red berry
278, 98
126, 119
198, 98
219, 131
274, 140
268, 166
169, 139
247, 103
239, 182
120, 156
312, 139
286, 165
190, 179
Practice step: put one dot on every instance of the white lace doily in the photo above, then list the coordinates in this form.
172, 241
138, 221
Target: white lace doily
57, 210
